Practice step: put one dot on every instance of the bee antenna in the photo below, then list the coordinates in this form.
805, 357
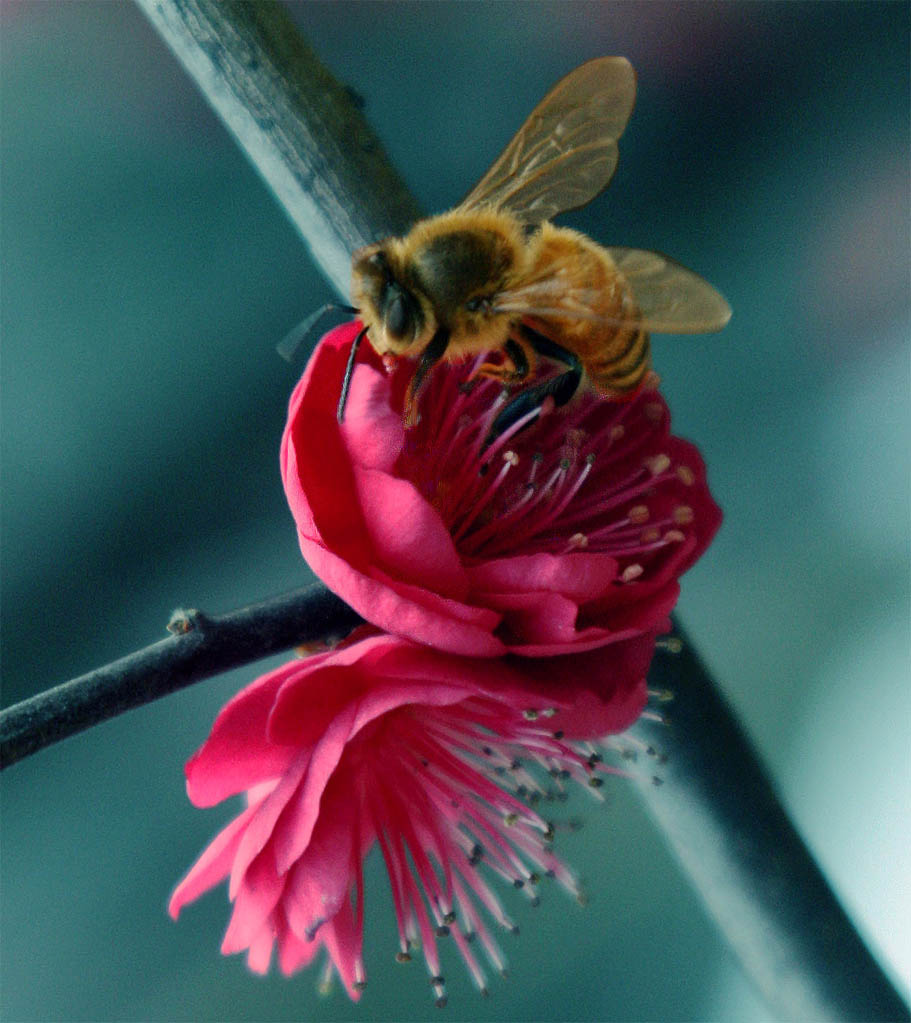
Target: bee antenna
296, 336
349, 370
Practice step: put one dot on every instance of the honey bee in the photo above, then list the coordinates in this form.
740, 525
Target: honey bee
494, 274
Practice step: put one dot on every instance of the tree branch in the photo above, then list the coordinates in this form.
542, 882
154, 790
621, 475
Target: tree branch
709, 793
201, 647
717, 809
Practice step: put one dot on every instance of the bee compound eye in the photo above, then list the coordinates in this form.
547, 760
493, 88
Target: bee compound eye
397, 315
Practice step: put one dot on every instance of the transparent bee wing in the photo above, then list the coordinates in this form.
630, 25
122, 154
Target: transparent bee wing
670, 298
662, 296
566, 152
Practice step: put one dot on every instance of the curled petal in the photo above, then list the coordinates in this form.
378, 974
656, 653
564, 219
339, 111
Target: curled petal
426, 529
434, 757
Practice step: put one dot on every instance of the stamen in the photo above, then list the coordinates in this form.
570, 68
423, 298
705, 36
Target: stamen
510, 460
657, 464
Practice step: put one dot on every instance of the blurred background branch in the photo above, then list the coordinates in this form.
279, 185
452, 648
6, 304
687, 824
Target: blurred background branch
253, 68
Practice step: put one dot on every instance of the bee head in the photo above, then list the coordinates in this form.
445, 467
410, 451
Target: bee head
395, 318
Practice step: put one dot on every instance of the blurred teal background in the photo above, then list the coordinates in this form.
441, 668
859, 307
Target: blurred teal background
146, 277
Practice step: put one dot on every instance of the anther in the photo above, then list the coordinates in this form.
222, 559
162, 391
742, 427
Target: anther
651, 534
686, 475
578, 541
511, 457
673, 646
548, 712
674, 536
530, 714
442, 931
657, 464
559, 733
631, 572
595, 782
359, 985
449, 918
510, 819
683, 515
518, 883
616, 432
403, 957
594, 758
590, 458
638, 514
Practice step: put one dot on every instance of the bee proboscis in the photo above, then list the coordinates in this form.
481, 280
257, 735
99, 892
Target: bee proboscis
495, 274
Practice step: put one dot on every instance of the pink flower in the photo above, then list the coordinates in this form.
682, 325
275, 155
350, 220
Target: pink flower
438, 759
566, 533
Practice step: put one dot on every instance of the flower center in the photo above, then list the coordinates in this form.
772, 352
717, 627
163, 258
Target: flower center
590, 476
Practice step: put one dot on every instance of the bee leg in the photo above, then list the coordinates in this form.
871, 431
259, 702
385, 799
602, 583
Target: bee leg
514, 370
543, 345
559, 388
349, 370
431, 355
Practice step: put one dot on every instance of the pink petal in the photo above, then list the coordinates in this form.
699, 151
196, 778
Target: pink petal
322, 877
294, 954
304, 708
543, 618
374, 434
343, 938
237, 754
410, 540
260, 953
406, 610
577, 576
291, 833
256, 899
213, 865
318, 476
259, 830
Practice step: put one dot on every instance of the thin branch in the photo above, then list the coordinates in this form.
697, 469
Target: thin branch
717, 808
201, 647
